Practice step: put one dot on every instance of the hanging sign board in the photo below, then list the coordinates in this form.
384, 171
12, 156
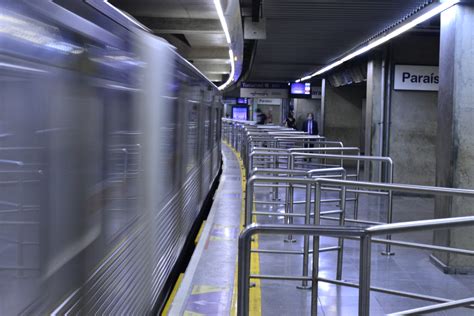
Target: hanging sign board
417, 78
269, 101
263, 93
264, 85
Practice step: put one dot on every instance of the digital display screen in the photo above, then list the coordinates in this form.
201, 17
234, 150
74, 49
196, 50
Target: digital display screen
300, 88
239, 113
242, 101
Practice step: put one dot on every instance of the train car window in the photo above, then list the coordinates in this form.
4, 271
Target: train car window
216, 126
192, 135
21, 159
169, 151
207, 128
123, 157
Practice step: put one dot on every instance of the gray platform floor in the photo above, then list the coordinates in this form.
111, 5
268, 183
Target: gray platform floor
208, 285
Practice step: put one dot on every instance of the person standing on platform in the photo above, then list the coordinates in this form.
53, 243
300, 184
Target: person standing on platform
261, 117
310, 126
290, 121
270, 116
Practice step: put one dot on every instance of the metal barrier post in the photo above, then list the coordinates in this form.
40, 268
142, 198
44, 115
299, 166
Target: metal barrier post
244, 273
342, 217
356, 202
388, 249
314, 276
248, 202
317, 212
275, 189
307, 221
290, 200
364, 275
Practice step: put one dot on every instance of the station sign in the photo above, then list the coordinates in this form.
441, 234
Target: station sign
264, 93
276, 90
416, 78
268, 101
264, 85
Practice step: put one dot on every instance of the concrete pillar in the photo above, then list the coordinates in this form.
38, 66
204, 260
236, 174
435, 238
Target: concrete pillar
455, 137
374, 115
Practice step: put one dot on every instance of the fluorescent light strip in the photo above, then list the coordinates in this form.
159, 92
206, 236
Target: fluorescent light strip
126, 16
426, 16
220, 13
232, 72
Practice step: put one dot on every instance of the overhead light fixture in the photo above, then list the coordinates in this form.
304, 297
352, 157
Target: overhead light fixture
232, 72
220, 14
133, 21
444, 5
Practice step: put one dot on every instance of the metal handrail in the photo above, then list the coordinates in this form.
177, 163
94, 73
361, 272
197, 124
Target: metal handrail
358, 158
308, 183
365, 236
295, 153
249, 192
408, 188
436, 307
305, 137
308, 150
243, 135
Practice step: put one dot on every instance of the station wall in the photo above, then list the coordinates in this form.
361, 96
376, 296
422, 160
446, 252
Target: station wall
343, 113
413, 123
303, 107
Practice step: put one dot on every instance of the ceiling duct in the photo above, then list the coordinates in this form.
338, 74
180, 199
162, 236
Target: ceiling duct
353, 74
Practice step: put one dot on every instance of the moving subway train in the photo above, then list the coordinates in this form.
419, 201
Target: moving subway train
109, 146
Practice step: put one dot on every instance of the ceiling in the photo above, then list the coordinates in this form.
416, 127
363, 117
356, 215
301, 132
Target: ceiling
192, 26
303, 35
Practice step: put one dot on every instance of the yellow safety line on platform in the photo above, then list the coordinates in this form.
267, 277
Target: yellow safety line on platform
199, 233
255, 292
173, 294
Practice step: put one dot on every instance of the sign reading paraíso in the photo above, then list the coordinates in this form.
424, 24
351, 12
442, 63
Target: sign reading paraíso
419, 78
268, 101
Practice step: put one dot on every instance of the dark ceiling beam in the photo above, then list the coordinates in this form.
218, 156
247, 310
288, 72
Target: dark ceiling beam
200, 53
180, 25
256, 10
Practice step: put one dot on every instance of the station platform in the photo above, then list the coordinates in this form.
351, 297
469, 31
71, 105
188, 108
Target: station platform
209, 285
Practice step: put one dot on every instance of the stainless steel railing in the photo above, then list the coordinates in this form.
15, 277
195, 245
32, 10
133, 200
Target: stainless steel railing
383, 160
436, 307
246, 139
291, 155
365, 237
308, 184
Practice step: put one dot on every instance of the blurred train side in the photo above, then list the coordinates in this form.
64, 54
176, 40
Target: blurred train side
109, 144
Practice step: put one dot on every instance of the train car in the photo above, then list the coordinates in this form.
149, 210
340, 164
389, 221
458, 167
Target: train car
109, 148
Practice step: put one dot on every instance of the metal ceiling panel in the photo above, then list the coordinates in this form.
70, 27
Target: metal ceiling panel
315, 32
